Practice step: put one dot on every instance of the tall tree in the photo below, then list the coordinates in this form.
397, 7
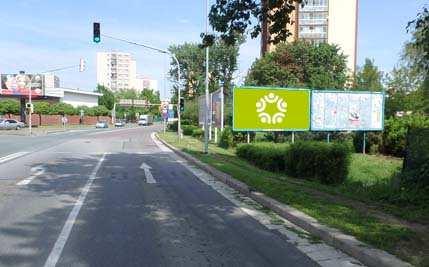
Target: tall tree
418, 50
300, 64
369, 78
191, 57
233, 18
107, 99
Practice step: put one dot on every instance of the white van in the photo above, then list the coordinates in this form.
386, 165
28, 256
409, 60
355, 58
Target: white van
145, 120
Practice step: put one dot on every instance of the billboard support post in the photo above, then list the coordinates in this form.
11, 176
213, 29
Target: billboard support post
328, 137
293, 137
364, 143
221, 106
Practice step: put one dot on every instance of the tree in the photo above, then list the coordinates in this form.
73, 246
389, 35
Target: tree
418, 50
9, 106
368, 78
300, 64
234, 18
62, 109
42, 108
152, 97
404, 90
191, 57
107, 99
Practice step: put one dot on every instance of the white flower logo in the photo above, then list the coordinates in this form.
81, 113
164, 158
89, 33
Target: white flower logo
281, 105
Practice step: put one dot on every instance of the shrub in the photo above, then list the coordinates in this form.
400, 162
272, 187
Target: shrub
173, 126
325, 162
188, 129
226, 139
267, 156
197, 133
416, 162
9, 106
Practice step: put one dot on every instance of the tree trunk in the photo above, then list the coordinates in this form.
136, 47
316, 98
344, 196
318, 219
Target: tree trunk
265, 34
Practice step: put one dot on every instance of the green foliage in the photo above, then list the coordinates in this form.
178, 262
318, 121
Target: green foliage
172, 126
373, 142
107, 99
267, 156
42, 107
236, 17
99, 111
416, 162
395, 131
188, 129
226, 139
198, 133
190, 115
223, 63
325, 162
9, 106
300, 64
62, 109
368, 78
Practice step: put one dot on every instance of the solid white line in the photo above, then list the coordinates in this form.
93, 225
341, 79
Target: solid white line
38, 170
13, 156
65, 232
159, 144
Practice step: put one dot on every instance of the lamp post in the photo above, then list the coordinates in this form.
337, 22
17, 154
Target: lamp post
206, 117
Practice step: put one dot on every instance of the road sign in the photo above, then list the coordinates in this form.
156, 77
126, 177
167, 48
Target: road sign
271, 109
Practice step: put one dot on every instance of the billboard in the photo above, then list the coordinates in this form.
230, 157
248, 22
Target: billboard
347, 111
271, 109
19, 84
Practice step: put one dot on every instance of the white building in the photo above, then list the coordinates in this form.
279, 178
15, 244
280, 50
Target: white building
78, 98
143, 82
116, 70
331, 21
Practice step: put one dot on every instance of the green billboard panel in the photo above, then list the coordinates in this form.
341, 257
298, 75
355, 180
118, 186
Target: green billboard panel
271, 109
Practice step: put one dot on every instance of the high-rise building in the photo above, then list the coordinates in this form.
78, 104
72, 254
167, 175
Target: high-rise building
331, 21
116, 70
144, 82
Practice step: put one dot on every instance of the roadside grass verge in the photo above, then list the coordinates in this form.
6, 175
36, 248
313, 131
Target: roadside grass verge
394, 238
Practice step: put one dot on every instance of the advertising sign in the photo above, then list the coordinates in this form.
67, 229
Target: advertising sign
347, 111
271, 109
19, 84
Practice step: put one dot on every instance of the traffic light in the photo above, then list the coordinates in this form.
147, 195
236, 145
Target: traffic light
96, 37
182, 104
82, 65
29, 107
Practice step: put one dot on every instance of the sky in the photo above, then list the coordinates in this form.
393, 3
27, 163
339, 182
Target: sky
39, 35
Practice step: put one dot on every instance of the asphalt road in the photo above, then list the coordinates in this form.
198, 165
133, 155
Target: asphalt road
87, 199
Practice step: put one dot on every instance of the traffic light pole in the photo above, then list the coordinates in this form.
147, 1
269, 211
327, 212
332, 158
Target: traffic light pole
163, 51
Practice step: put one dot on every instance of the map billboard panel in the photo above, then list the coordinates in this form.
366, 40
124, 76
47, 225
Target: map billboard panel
347, 111
271, 109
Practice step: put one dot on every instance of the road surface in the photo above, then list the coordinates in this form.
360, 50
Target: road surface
116, 198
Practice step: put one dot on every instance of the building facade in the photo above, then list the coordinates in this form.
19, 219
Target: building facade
143, 82
326, 21
116, 70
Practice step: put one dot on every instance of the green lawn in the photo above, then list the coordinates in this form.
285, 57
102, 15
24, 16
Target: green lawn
394, 238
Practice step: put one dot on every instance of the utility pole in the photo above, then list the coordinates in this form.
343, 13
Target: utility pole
206, 117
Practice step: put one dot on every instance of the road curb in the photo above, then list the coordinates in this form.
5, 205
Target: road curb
366, 254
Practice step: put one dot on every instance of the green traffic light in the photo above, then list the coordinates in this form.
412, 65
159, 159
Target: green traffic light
96, 39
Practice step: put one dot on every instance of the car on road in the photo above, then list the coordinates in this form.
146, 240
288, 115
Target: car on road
145, 120
119, 124
102, 124
10, 124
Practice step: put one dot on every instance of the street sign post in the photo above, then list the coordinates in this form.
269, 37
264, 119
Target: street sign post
271, 109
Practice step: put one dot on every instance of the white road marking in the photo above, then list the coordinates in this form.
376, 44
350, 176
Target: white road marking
159, 144
38, 170
65, 232
147, 173
13, 156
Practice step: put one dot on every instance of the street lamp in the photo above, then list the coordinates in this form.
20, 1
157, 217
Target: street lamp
206, 117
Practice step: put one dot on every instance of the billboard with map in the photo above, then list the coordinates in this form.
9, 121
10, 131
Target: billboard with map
347, 111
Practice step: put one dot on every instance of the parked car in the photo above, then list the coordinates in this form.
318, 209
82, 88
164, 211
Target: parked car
145, 120
119, 124
102, 124
9, 124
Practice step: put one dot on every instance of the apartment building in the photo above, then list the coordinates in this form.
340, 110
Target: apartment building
116, 70
326, 21
144, 82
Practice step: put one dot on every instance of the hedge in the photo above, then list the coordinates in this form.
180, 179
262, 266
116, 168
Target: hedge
267, 156
226, 139
198, 133
188, 129
326, 162
416, 162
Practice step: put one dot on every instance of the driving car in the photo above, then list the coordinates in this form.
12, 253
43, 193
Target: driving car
10, 124
102, 124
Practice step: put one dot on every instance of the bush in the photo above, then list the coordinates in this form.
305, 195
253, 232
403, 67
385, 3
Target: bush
197, 133
373, 142
416, 162
226, 139
173, 126
9, 106
267, 156
325, 162
188, 129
